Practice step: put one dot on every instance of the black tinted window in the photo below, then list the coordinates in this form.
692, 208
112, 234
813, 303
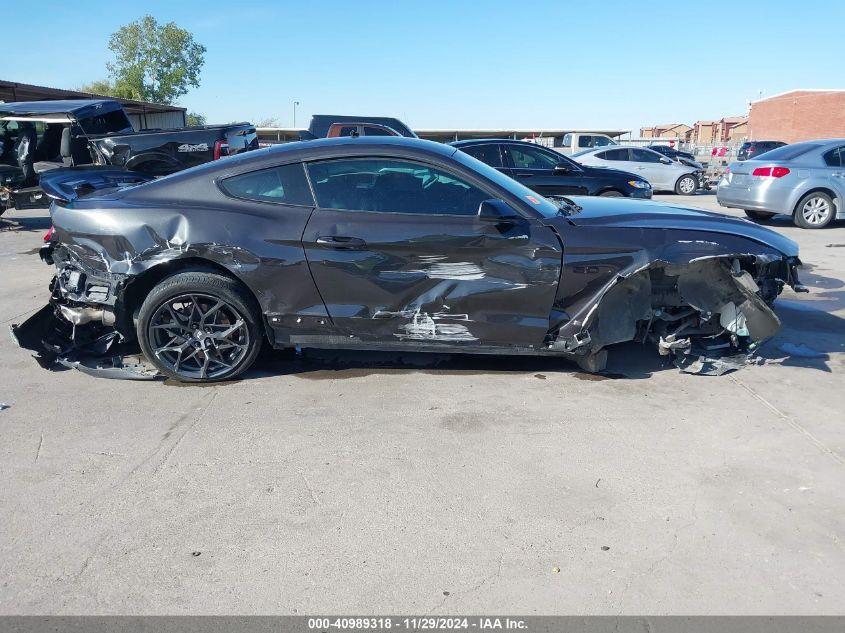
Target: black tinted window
114, 121
644, 156
615, 154
390, 185
283, 185
370, 130
524, 157
835, 157
489, 154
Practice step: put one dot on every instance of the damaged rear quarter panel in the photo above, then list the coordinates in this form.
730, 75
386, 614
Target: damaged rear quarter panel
128, 241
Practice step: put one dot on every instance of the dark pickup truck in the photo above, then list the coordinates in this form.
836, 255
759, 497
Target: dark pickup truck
331, 125
38, 136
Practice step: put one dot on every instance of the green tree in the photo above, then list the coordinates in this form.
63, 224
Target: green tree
99, 87
194, 118
154, 62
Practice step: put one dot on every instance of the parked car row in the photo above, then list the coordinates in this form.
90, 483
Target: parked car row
36, 137
550, 174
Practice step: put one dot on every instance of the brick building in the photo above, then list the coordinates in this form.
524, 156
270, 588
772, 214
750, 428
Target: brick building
725, 126
798, 115
702, 132
667, 130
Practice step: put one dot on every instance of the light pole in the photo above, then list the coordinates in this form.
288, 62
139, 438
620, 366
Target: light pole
295, 103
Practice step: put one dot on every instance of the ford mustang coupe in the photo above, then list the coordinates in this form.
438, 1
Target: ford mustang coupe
390, 244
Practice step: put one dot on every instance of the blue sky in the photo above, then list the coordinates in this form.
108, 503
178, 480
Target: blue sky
523, 63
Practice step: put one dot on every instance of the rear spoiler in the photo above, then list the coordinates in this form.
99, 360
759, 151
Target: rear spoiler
68, 184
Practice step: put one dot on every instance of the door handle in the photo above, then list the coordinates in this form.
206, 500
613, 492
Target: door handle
341, 242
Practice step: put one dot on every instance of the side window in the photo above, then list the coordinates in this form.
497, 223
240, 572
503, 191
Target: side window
488, 153
585, 141
835, 157
524, 157
567, 140
348, 130
392, 186
283, 185
615, 154
644, 156
601, 141
371, 130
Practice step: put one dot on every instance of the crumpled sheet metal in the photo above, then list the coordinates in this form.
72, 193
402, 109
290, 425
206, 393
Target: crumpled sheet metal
588, 275
94, 357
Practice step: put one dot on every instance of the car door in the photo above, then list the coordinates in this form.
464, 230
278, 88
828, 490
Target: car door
400, 256
835, 167
534, 167
648, 164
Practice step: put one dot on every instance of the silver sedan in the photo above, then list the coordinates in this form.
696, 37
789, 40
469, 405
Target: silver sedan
663, 173
804, 180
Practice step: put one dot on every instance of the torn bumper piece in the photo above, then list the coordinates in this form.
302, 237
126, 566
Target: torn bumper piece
58, 338
710, 315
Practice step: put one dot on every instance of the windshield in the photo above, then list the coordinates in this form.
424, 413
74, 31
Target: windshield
540, 204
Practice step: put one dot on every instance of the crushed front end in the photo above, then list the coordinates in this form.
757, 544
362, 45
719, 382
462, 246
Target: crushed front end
709, 314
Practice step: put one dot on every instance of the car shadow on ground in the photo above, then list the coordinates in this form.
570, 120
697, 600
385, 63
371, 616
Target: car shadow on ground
809, 334
41, 223
627, 361
784, 220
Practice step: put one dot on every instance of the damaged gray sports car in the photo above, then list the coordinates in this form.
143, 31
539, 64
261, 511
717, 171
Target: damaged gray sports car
389, 244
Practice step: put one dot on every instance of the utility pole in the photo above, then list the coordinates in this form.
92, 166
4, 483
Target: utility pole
295, 103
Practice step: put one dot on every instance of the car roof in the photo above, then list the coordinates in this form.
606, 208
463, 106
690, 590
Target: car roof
821, 143
77, 107
604, 148
326, 144
482, 141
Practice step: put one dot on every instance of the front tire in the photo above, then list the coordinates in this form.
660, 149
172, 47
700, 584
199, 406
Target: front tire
759, 215
199, 327
686, 185
814, 211
612, 193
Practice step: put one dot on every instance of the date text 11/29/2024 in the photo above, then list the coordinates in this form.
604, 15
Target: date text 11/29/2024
422, 623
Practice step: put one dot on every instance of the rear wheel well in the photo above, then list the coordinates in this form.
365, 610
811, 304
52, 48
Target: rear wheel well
823, 190
141, 285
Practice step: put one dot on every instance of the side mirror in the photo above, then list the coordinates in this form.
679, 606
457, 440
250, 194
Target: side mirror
666, 161
562, 168
495, 210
